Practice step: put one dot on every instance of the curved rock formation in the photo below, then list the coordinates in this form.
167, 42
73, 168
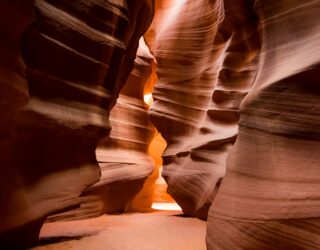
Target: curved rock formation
205, 68
182, 94
269, 198
123, 157
78, 56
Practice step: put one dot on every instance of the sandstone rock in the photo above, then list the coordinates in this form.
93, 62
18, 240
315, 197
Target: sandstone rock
124, 160
269, 198
123, 157
205, 68
78, 55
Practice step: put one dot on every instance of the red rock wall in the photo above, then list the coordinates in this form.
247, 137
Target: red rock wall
206, 65
78, 55
269, 198
123, 157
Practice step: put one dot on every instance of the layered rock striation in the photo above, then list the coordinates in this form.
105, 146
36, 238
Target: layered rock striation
123, 157
206, 64
77, 57
269, 198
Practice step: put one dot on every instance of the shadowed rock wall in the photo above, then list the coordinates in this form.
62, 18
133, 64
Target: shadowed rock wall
78, 55
123, 157
13, 96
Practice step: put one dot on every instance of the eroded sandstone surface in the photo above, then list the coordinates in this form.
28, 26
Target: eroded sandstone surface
123, 156
63, 75
207, 60
269, 198
237, 101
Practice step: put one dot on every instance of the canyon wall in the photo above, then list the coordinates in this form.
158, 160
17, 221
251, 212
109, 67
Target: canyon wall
13, 96
210, 55
269, 198
221, 64
124, 159
206, 64
55, 106
123, 156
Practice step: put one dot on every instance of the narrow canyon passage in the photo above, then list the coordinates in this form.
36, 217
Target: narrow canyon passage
160, 124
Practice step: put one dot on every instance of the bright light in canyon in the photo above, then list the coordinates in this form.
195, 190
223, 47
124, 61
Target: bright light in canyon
148, 99
166, 206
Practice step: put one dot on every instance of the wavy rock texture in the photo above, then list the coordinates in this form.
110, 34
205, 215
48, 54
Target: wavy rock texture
124, 160
123, 157
205, 68
164, 14
78, 56
269, 198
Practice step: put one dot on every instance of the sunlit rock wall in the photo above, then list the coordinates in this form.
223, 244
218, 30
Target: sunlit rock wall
78, 55
205, 68
269, 198
123, 157
124, 160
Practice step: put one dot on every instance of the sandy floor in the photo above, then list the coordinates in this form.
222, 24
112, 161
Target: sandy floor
165, 230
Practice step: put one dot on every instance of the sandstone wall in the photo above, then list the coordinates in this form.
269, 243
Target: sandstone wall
269, 198
122, 156
206, 64
78, 55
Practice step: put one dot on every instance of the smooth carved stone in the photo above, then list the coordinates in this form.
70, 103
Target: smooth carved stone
123, 157
78, 56
140, 79
182, 96
269, 198
205, 68
164, 15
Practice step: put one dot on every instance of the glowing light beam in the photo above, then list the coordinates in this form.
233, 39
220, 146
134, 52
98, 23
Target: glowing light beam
166, 206
148, 99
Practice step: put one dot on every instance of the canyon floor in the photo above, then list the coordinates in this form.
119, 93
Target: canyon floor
158, 230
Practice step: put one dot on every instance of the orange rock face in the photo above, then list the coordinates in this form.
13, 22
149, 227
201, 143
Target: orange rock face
78, 55
237, 102
122, 156
205, 67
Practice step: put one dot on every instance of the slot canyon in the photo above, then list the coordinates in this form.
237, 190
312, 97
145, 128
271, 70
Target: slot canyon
160, 124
